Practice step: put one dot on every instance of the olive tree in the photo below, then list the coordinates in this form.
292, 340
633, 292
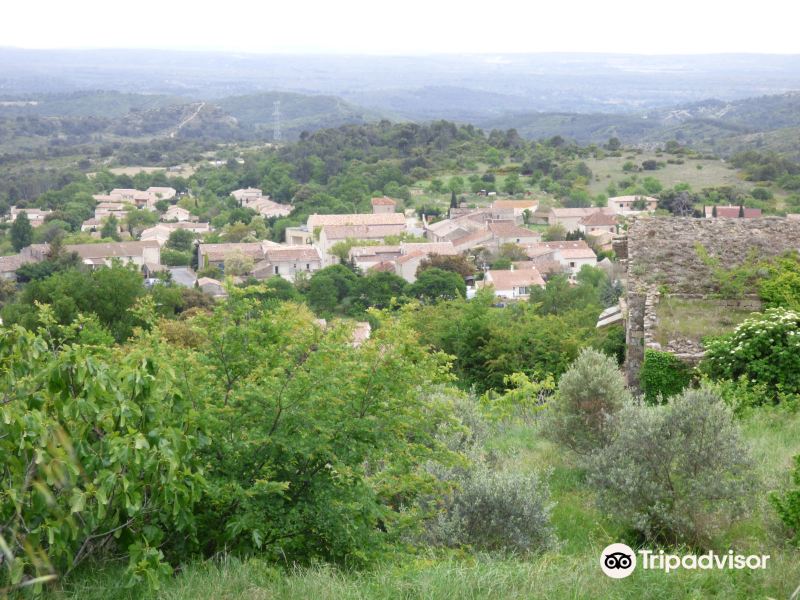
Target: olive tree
590, 393
675, 473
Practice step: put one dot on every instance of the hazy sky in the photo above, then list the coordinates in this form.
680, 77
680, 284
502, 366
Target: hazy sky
407, 26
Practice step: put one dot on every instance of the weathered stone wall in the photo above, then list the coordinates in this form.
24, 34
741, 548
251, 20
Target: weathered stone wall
662, 251
634, 337
662, 255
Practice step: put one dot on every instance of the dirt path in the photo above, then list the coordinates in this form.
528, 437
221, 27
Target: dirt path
187, 119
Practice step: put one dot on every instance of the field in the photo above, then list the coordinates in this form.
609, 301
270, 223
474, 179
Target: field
572, 571
713, 172
185, 171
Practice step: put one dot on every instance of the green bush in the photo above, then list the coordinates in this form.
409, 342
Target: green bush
675, 473
764, 349
175, 258
788, 504
495, 511
581, 415
663, 375
100, 456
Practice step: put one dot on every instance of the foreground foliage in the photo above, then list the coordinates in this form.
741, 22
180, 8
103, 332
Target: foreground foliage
677, 473
99, 456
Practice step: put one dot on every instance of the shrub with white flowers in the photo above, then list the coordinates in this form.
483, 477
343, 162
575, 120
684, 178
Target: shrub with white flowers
764, 349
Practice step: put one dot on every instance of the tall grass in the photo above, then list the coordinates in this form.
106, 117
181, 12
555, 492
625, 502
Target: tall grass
571, 572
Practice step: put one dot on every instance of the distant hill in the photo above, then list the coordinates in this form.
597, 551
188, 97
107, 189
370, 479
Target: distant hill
299, 112
30, 121
582, 128
765, 122
96, 104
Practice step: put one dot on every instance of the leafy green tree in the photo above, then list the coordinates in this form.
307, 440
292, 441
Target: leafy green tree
99, 455
110, 228
762, 349
436, 187
493, 157
328, 289
108, 292
21, 232
311, 451
554, 233
456, 184
512, 184
137, 220
435, 284
181, 240
788, 504
378, 290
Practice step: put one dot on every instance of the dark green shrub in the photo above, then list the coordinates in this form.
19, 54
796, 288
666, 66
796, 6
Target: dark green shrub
663, 375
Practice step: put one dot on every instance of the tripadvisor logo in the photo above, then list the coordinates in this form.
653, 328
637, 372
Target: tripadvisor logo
619, 561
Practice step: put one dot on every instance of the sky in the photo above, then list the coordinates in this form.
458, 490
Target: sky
407, 27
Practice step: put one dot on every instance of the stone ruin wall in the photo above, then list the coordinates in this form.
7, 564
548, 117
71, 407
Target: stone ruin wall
661, 255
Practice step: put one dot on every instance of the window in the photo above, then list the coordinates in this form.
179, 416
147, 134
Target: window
308, 266
572, 264
276, 269
523, 291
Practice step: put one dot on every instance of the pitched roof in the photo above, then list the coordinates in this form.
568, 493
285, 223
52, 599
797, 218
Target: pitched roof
217, 252
162, 192
363, 251
356, 219
506, 229
560, 245
599, 219
428, 248
410, 256
568, 253
208, 281
9, 264
111, 249
572, 213
505, 280
515, 204
383, 266
472, 239
384, 201
362, 232
291, 253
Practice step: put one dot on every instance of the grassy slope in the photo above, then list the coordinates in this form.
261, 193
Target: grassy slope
570, 572
713, 172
